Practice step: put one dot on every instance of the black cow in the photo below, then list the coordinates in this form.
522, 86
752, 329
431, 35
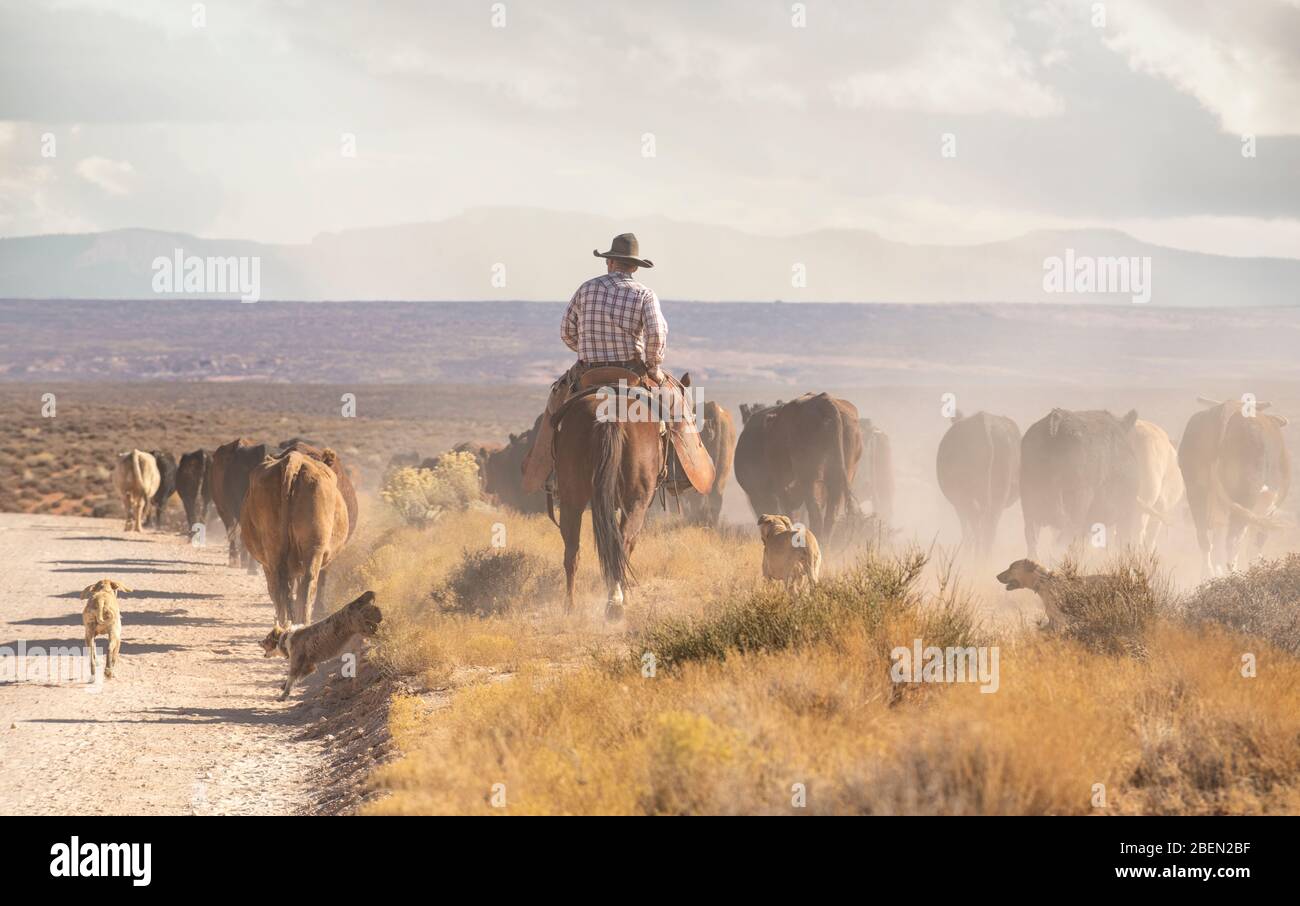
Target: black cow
231, 465
193, 488
166, 484
1078, 470
803, 453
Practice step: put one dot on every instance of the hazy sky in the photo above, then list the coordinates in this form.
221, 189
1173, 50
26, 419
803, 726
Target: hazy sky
234, 127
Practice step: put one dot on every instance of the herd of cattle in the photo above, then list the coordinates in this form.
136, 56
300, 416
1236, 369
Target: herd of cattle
763, 461
1086, 472
290, 508
1079, 473
293, 507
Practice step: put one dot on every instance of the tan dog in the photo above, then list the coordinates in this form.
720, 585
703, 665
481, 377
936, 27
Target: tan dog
307, 646
790, 555
1050, 587
102, 616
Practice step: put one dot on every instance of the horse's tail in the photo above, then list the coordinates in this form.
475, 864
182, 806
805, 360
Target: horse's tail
605, 502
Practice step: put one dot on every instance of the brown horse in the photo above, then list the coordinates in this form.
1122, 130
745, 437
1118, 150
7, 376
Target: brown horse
615, 466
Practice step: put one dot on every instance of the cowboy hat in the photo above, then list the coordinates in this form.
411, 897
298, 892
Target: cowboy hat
625, 248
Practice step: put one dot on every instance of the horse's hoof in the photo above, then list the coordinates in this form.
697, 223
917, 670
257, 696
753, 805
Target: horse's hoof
613, 613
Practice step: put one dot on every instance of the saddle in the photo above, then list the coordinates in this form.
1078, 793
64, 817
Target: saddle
609, 376
686, 462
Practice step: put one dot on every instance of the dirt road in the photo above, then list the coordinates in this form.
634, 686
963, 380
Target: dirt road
187, 725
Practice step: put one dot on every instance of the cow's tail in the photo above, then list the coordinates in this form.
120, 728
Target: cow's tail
135, 467
605, 502
288, 481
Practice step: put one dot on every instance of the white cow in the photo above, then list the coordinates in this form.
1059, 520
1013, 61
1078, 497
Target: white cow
136, 480
1160, 481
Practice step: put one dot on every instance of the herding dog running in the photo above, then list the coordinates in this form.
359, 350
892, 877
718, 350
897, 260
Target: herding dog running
102, 616
307, 646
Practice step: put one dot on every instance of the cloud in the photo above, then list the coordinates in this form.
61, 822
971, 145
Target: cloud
112, 176
1239, 60
969, 64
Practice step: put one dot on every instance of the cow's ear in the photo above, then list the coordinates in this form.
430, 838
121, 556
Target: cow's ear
85, 592
1130, 420
1261, 405
686, 379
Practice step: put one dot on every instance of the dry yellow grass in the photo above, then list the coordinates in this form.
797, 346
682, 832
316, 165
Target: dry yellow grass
568, 723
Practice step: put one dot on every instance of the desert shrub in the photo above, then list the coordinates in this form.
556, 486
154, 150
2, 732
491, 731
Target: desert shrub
1261, 601
870, 595
421, 496
1111, 612
495, 581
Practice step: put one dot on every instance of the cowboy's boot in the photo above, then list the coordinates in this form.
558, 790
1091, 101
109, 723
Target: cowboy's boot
539, 462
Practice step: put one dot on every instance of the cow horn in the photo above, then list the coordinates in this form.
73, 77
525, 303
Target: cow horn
1206, 401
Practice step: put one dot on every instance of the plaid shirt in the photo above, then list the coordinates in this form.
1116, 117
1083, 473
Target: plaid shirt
613, 318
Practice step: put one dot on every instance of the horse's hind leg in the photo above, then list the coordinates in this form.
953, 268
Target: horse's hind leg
632, 522
571, 531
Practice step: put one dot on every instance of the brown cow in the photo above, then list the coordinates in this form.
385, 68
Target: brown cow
231, 465
1236, 469
294, 521
503, 477
718, 433
805, 452
341, 473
